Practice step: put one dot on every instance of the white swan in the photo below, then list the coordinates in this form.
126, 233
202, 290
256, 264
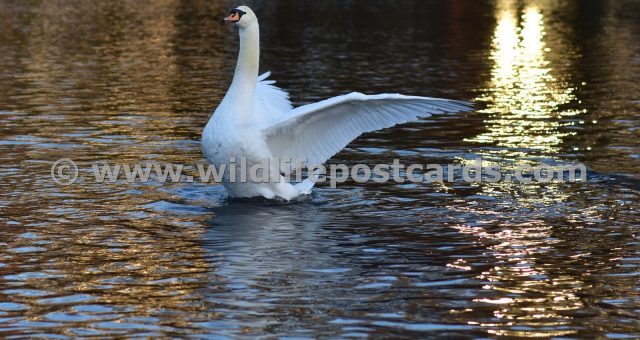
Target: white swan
256, 121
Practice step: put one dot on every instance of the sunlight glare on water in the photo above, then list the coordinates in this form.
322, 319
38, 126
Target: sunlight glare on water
525, 101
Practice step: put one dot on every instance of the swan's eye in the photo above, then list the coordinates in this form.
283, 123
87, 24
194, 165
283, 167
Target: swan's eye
238, 12
234, 15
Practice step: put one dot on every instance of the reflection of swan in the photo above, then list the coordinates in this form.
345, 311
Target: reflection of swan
256, 122
257, 241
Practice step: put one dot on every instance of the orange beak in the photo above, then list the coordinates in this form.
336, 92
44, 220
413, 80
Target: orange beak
232, 18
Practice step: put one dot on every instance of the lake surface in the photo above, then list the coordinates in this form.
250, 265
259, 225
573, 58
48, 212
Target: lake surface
135, 81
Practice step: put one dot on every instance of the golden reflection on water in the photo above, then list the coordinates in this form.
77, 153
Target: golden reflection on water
525, 293
152, 262
525, 109
523, 96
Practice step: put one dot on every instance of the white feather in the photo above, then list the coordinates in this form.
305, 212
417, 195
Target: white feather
270, 102
315, 132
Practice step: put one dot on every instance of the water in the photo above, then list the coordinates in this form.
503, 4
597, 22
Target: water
134, 81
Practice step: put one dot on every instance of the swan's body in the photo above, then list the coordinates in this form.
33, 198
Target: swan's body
256, 121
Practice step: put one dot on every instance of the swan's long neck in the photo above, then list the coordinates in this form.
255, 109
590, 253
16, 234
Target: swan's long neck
244, 81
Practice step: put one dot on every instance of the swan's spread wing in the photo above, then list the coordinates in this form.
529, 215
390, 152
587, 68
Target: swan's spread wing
270, 102
315, 132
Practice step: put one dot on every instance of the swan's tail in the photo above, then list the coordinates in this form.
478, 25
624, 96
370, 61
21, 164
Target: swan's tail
305, 186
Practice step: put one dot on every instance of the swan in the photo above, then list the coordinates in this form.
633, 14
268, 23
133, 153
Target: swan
256, 123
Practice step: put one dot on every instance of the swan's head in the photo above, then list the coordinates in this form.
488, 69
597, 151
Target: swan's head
242, 16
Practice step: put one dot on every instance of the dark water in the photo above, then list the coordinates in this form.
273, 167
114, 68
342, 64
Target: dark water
133, 81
